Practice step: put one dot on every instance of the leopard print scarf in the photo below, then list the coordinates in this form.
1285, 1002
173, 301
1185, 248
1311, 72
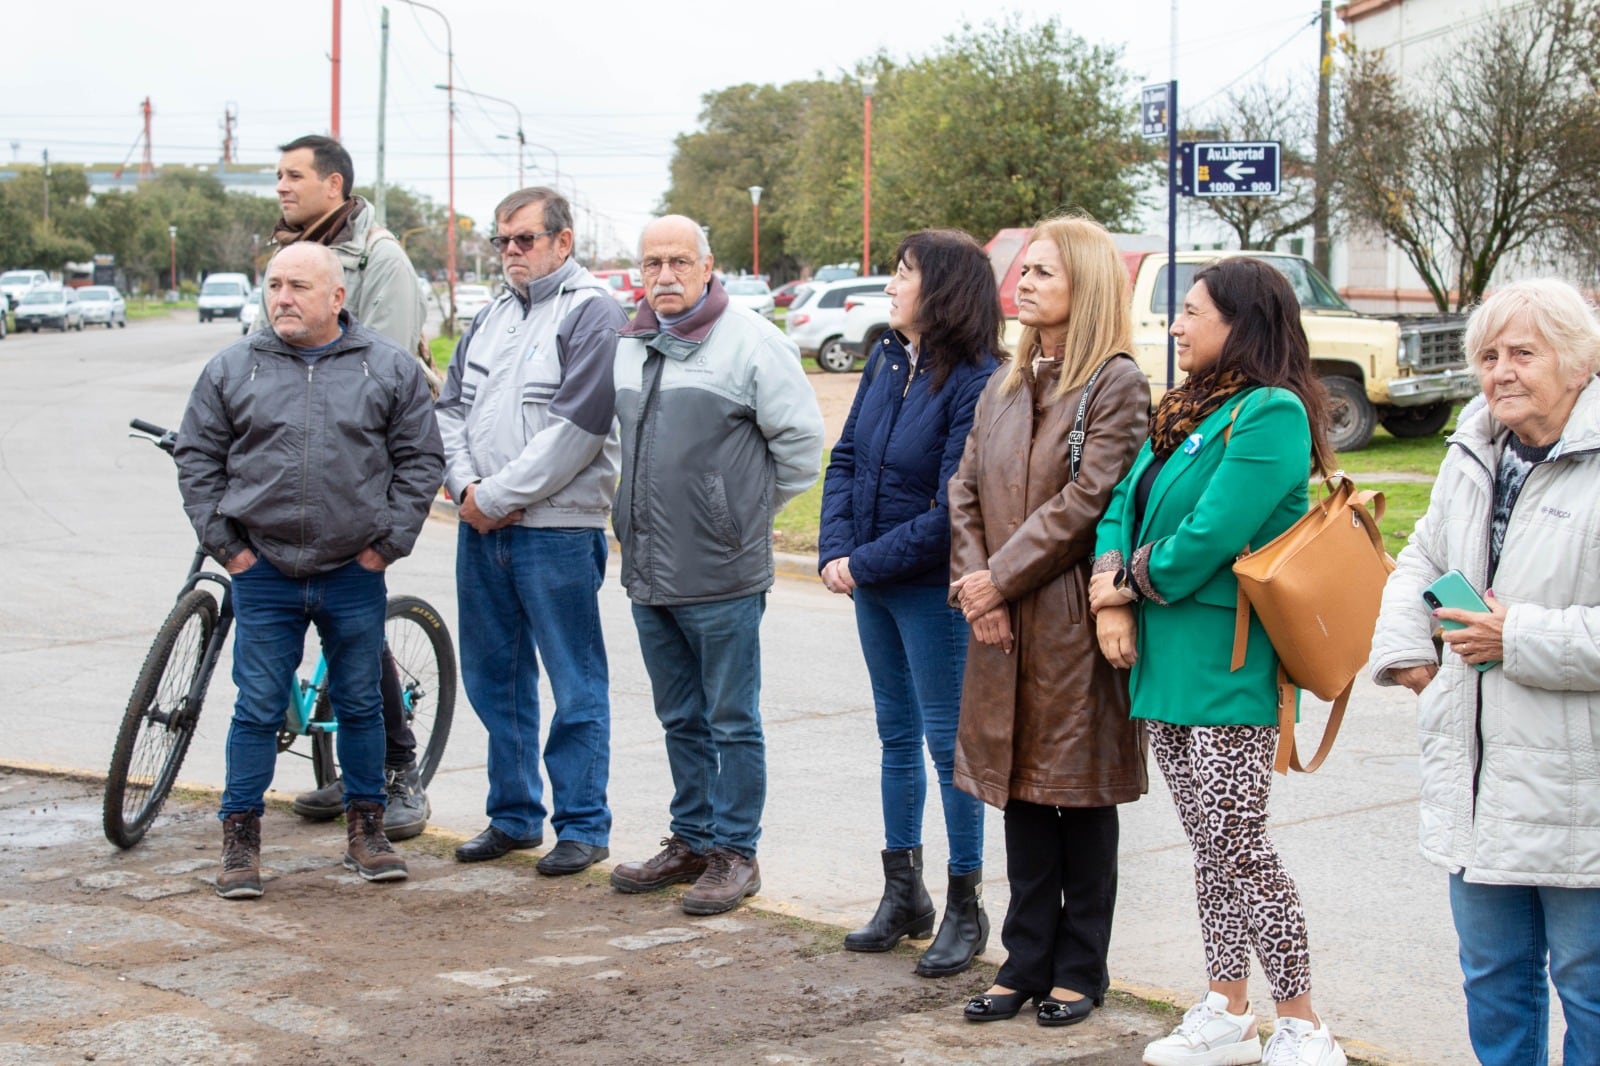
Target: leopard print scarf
1186, 406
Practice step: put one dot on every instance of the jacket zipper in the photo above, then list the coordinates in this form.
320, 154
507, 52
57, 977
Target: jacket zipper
305, 455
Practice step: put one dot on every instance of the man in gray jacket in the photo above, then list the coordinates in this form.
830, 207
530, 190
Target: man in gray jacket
307, 459
720, 429
315, 179
528, 415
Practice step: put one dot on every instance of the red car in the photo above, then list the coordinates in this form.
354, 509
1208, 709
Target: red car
784, 294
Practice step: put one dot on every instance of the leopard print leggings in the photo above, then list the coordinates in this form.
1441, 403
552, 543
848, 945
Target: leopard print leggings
1219, 777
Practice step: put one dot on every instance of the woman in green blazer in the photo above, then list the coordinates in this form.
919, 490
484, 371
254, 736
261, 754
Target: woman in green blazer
1225, 469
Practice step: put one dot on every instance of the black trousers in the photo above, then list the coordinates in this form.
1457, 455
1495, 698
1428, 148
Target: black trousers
1062, 866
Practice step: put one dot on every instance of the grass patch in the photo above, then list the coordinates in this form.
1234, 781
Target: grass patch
1404, 502
442, 348
156, 308
1386, 453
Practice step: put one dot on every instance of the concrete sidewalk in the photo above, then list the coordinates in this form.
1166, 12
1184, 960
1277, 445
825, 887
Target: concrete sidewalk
113, 957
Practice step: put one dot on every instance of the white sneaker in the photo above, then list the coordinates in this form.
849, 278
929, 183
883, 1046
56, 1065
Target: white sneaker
1296, 1042
1208, 1036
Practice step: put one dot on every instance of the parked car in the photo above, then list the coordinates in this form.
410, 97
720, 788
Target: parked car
223, 296
816, 320
836, 272
14, 284
470, 299
249, 315
620, 287
631, 279
103, 305
50, 305
785, 294
752, 293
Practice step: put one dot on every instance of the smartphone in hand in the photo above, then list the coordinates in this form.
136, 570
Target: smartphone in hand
1452, 589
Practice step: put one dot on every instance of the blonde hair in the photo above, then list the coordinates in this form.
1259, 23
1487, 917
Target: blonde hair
1556, 311
1099, 324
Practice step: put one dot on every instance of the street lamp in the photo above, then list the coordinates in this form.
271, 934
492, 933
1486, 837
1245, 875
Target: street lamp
867, 85
255, 260
172, 244
519, 138
450, 81
755, 229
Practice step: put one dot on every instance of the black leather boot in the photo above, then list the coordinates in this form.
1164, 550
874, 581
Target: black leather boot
905, 909
963, 934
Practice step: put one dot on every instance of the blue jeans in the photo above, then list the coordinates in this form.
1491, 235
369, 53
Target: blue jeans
1506, 933
527, 596
271, 614
704, 661
916, 650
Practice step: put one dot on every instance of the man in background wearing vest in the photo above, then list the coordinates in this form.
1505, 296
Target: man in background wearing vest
528, 417
315, 175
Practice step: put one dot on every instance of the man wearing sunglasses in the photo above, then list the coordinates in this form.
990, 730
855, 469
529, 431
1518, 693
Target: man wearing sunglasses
528, 417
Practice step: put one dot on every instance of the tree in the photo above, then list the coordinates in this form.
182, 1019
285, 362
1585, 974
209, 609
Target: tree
1494, 150
1263, 112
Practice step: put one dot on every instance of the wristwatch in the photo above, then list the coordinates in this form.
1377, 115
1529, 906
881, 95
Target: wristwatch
1122, 580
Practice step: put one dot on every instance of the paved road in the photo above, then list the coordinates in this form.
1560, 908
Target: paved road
95, 543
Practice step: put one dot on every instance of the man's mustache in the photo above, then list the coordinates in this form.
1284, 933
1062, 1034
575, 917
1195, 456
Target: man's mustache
670, 288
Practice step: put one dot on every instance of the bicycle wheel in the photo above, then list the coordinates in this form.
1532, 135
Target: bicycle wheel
425, 660
160, 719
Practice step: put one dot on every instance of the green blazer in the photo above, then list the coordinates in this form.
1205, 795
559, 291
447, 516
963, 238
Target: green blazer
1210, 501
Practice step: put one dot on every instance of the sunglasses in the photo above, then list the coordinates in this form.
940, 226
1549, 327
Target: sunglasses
523, 241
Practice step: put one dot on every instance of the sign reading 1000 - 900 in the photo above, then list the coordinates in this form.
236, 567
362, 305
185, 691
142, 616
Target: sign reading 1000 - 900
1231, 168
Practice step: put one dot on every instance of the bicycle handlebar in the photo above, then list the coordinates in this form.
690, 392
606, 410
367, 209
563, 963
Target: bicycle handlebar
165, 439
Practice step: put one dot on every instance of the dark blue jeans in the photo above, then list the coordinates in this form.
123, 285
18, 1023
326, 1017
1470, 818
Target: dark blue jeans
704, 662
528, 596
271, 615
916, 650
1508, 935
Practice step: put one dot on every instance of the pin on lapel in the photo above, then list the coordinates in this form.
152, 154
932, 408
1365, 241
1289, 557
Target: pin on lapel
1192, 445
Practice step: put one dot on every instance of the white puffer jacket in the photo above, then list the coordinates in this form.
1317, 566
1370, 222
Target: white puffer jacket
1526, 730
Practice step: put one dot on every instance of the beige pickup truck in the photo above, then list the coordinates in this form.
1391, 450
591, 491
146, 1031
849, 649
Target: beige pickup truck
1405, 372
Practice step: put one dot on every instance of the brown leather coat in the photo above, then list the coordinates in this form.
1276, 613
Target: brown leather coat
1049, 723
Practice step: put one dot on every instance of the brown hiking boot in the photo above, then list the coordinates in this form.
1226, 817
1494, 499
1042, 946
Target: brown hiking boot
369, 852
728, 879
675, 863
240, 877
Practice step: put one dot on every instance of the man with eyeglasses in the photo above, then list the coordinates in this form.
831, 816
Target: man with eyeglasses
720, 429
528, 417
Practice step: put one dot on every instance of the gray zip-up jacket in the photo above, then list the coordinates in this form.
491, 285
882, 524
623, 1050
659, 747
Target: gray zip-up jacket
307, 463
528, 410
720, 429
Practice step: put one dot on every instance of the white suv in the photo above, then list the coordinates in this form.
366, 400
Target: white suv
223, 296
815, 320
14, 284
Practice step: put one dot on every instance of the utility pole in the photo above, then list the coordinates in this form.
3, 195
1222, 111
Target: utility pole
380, 202
333, 125
47, 188
1321, 253
230, 118
147, 169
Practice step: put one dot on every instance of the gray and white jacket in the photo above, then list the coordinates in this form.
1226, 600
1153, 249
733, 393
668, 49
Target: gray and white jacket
720, 429
308, 463
528, 411
1510, 789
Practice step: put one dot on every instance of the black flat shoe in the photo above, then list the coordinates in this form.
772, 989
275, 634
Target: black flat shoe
570, 857
996, 1008
1054, 1012
491, 844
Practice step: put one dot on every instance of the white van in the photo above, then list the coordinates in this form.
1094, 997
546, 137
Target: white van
223, 296
14, 284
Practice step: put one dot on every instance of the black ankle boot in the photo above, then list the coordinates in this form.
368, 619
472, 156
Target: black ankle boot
963, 934
905, 909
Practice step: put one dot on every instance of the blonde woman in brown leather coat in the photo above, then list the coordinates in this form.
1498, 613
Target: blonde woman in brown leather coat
1045, 734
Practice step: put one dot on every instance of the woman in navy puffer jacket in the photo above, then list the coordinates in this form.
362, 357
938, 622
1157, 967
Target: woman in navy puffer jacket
885, 540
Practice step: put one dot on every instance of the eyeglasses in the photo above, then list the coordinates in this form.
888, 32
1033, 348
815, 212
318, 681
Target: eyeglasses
523, 241
678, 263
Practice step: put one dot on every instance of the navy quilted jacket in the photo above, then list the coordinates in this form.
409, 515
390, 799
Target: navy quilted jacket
884, 499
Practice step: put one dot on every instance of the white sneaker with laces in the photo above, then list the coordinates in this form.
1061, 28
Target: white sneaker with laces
1296, 1042
1208, 1036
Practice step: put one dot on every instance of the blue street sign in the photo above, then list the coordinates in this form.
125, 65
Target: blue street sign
1230, 168
1153, 110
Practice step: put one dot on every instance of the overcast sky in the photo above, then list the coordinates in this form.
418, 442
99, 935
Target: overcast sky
603, 87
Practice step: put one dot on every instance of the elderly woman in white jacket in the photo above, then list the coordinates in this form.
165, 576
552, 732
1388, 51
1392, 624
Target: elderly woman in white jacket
1510, 713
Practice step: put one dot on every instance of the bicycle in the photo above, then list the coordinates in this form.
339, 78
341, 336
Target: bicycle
165, 705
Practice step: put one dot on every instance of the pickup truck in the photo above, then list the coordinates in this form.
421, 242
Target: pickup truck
1405, 372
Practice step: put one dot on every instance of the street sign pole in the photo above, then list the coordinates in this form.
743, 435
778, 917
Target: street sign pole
1173, 181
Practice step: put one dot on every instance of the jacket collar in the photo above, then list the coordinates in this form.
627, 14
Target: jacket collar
351, 337
569, 275
1481, 433
686, 336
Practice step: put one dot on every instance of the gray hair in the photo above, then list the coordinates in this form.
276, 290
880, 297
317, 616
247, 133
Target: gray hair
557, 212
1557, 312
702, 244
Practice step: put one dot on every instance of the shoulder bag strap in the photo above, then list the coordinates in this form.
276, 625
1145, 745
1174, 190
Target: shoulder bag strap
1288, 757
1076, 437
